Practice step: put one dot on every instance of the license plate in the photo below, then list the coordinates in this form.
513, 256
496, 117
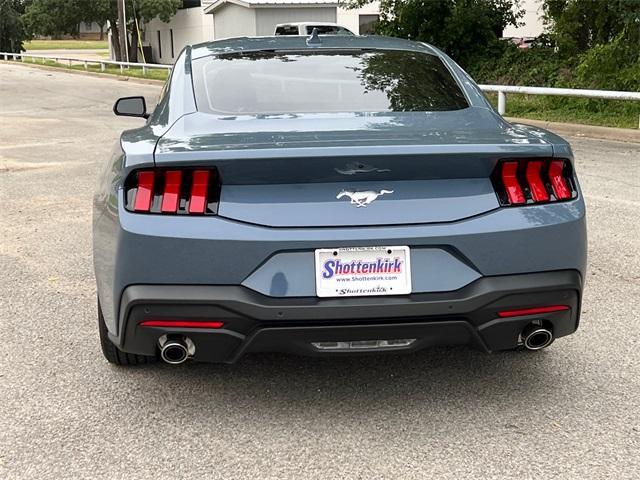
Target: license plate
363, 271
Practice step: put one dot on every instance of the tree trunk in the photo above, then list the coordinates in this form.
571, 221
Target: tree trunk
122, 31
133, 52
115, 41
101, 32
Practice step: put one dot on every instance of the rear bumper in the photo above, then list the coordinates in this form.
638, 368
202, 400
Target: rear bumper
137, 249
257, 323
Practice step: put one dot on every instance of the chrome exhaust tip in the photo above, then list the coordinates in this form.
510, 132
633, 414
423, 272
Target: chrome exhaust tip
175, 351
537, 337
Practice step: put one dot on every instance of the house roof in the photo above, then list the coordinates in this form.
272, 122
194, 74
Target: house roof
271, 4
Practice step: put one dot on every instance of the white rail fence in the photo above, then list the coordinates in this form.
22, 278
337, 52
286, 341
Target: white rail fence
501, 90
84, 61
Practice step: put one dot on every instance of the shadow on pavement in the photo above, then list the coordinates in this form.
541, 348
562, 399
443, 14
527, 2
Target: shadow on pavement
439, 380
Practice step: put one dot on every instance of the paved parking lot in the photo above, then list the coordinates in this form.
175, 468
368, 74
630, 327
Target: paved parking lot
571, 411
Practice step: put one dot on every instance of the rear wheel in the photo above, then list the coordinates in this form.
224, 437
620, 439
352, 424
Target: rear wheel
112, 353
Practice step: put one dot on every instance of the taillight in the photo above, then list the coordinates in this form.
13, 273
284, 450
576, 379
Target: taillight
533, 311
199, 188
559, 183
533, 181
171, 194
144, 193
181, 324
511, 184
173, 191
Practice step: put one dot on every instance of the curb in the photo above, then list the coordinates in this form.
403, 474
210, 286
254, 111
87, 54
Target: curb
589, 131
121, 78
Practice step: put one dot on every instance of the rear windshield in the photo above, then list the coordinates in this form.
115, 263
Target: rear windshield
325, 82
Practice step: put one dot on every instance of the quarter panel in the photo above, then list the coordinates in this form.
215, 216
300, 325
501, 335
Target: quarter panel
106, 229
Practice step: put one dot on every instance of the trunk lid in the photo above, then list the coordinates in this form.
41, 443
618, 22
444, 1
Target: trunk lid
350, 169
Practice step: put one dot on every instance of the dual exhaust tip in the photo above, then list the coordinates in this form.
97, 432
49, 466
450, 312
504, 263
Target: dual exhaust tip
536, 337
176, 350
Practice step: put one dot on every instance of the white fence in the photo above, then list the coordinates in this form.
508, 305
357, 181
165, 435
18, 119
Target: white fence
84, 61
501, 90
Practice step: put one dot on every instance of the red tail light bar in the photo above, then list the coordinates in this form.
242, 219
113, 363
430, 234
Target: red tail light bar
511, 183
181, 324
533, 311
533, 181
173, 191
144, 195
199, 187
171, 194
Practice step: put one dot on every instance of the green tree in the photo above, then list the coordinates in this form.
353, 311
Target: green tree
60, 17
12, 31
53, 17
575, 26
103, 11
465, 29
97, 11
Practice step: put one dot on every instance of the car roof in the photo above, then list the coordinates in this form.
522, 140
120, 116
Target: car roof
299, 42
302, 24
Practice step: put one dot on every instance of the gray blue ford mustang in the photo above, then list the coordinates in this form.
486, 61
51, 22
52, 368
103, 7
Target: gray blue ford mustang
331, 196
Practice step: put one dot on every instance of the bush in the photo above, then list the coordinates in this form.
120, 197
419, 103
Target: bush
610, 66
536, 66
613, 66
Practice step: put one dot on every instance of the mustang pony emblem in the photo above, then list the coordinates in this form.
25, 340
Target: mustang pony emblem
362, 199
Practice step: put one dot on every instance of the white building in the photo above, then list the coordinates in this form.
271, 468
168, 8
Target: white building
188, 26
206, 20
92, 31
532, 21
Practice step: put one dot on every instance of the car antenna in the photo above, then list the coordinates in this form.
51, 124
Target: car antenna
314, 38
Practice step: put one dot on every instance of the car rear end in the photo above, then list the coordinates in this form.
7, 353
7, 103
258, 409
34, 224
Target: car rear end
298, 210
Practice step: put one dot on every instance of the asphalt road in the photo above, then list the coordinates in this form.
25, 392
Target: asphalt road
571, 411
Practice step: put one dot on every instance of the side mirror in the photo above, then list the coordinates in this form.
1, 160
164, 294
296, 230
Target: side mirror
131, 107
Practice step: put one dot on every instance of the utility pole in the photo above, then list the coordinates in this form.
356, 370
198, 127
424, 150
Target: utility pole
122, 30
126, 34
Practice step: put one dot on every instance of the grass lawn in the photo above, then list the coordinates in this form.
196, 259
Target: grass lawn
605, 113
65, 45
153, 74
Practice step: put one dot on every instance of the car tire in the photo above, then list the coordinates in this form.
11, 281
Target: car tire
112, 353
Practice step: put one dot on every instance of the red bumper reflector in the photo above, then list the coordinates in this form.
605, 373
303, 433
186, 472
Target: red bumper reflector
199, 188
538, 190
171, 196
144, 195
511, 184
181, 324
558, 182
532, 311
